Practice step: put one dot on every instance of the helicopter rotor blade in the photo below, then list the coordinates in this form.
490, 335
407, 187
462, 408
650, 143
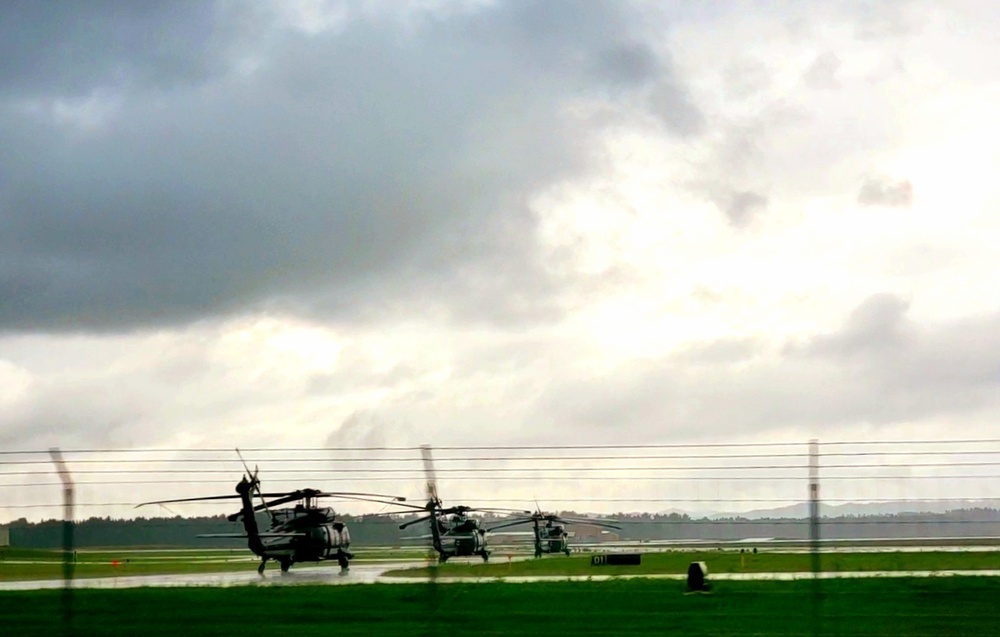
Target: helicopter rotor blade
600, 523
209, 497
417, 507
245, 465
417, 521
234, 496
282, 500
398, 498
299, 495
360, 498
458, 509
255, 482
380, 514
510, 523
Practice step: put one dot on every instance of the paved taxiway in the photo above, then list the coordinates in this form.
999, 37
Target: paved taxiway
375, 573
359, 574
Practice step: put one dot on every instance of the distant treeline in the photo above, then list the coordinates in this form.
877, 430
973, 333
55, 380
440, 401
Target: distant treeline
179, 532
958, 523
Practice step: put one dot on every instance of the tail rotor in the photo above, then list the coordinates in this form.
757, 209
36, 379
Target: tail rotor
254, 483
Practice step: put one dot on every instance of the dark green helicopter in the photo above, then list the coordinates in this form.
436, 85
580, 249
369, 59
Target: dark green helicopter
303, 533
453, 532
549, 530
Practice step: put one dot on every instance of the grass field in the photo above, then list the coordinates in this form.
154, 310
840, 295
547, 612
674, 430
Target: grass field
925, 607
26, 564
32, 564
723, 562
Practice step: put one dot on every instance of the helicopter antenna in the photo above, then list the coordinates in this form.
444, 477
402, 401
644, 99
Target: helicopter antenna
255, 481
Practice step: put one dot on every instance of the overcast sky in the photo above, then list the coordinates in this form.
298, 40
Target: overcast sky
300, 224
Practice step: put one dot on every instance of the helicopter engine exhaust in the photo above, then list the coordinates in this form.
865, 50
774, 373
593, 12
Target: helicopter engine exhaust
336, 538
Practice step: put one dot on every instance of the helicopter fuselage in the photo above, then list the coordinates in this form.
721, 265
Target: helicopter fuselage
459, 536
551, 539
312, 538
297, 534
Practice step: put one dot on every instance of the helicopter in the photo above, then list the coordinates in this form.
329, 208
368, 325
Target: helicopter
302, 533
551, 537
453, 532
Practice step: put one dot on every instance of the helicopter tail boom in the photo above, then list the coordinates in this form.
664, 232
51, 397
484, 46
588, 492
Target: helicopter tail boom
245, 489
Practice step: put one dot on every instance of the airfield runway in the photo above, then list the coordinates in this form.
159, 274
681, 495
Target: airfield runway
375, 574
359, 574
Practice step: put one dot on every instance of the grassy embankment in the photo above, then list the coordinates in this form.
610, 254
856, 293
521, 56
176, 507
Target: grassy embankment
908, 606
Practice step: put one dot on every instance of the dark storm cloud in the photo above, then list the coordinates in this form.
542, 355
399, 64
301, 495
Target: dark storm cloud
629, 65
882, 191
879, 367
72, 48
374, 169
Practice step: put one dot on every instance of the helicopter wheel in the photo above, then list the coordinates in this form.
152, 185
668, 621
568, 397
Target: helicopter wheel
538, 554
260, 569
442, 558
486, 557
285, 565
566, 551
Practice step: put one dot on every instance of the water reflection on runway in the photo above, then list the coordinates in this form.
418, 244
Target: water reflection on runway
375, 573
359, 574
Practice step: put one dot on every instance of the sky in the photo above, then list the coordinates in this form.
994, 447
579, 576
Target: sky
327, 225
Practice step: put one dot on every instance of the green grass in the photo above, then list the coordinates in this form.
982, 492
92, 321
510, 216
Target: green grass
906, 606
34, 564
721, 562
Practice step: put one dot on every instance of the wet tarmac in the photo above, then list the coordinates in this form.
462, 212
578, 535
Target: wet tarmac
375, 574
359, 574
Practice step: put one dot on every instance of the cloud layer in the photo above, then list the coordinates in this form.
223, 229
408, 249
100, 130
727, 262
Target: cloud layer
173, 177
328, 224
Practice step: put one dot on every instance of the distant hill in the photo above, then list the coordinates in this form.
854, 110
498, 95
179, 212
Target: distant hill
801, 510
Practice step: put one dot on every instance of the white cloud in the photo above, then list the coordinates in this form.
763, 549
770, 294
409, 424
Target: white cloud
594, 229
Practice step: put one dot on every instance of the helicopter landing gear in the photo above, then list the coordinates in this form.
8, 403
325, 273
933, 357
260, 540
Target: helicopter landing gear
566, 551
486, 556
260, 569
538, 554
285, 564
342, 559
442, 558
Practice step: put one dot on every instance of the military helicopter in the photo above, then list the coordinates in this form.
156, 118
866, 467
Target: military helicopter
551, 537
303, 533
453, 532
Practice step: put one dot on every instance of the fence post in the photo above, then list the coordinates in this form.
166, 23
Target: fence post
817, 594
67, 537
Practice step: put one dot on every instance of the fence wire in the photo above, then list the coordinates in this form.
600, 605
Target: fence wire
827, 512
